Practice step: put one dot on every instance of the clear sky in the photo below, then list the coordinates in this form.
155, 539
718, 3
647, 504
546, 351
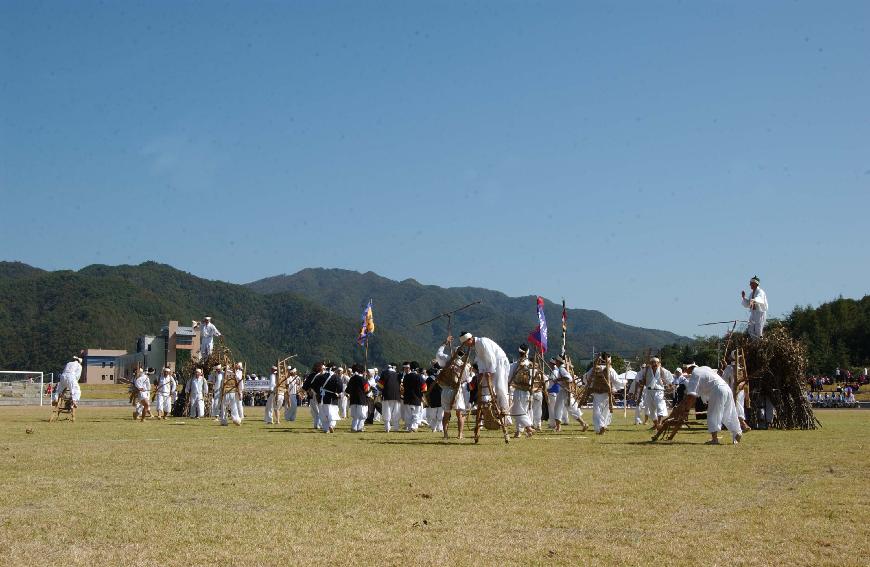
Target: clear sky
640, 158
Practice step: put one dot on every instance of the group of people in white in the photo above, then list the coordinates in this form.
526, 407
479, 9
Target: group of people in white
477, 373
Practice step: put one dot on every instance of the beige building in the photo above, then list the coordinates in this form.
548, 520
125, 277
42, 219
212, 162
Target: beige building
101, 366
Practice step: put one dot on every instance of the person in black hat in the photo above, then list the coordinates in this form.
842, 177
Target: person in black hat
357, 393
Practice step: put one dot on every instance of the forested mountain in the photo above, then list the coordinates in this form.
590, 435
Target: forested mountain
46, 316
399, 306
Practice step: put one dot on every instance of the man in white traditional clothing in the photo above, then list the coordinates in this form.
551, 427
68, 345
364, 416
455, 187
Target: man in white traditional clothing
493, 363
757, 305
520, 377
142, 394
275, 399
452, 390
705, 383
196, 390
565, 400
69, 380
207, 333
216, 382
166, 385
654, 378
730, 375
602, 380
641, 413
232, 387
291, 403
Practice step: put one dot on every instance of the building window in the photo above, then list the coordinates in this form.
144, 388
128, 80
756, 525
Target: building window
149, 348
111, 365
104, 376
104, 365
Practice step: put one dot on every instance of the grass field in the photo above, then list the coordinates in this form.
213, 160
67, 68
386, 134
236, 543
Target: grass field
108, 491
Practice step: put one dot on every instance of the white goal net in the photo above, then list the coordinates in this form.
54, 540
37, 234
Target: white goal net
22, 387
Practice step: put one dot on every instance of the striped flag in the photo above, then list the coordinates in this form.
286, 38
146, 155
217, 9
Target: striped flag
367, 327
538, 337
564, 328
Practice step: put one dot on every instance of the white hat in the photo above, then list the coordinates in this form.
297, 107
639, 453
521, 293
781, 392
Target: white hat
206, 318
655, 359
465, 337
76, 357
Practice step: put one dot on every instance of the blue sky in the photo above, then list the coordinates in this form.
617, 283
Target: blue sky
640, 158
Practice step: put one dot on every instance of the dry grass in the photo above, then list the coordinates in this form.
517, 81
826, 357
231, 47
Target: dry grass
108, 491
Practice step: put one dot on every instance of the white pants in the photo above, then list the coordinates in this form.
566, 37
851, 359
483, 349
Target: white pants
567, 406
413, 416
314, 408
640, 410
164, 403
721, 411
328, 416
537, 409
520, 410
600, 411
197, 407
655, 403
433, 418
554, 409
391, 410
67, 384
755, 328
290, 409
342, 406
272, 405
499, 384
358, 415
241, 404
741, 404
231, 405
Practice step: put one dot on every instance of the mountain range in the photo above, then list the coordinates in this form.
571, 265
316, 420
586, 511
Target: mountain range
47, 315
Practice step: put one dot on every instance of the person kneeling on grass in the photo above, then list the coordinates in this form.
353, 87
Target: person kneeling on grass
710, 387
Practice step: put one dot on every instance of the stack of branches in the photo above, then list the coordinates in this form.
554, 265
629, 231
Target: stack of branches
777, 366
220, 355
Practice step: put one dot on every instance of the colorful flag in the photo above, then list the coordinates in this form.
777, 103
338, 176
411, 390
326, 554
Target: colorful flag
367, 327
538, 337
564, 328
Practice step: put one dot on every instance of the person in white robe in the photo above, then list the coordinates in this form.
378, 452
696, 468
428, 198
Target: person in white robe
196, 390
520, 379
232, 388
655, 378
705, 383
291, 402
492, 362
275, 399
454, 399
215, 387
142, 394
602, 380
207, 333
165, 387
565, 400
69, 380
758, 307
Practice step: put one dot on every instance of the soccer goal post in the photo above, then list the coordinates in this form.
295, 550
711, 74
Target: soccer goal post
22, 387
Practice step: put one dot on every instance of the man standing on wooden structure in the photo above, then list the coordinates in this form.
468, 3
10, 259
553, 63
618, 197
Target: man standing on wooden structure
757, 305
207, 333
